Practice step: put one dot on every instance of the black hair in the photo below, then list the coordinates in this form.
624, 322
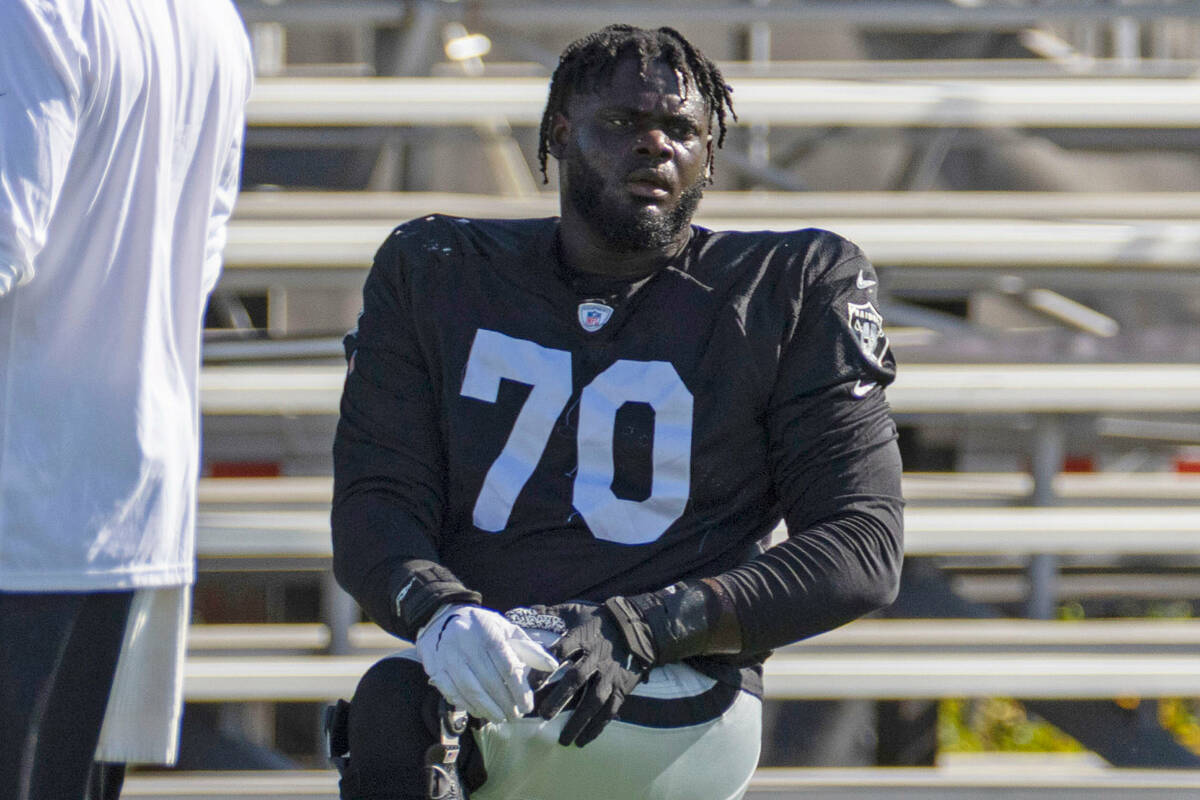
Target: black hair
588, 61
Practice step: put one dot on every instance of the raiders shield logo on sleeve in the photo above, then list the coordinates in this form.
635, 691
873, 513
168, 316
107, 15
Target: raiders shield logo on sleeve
867, 324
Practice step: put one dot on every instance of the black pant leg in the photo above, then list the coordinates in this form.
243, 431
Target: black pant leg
35, 629
106, 781
389, 732
56, 670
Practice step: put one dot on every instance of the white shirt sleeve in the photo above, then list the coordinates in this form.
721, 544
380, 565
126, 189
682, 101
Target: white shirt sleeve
218, 222
226, 195
40, 100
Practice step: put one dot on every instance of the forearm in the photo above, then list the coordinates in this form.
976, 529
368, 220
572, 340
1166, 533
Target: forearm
388, 462
820, 578
817, 580
379, 553
838, 467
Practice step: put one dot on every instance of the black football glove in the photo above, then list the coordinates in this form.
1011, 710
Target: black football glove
600, 669
608, 649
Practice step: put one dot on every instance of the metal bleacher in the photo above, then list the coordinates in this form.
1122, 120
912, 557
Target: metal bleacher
919, 388
767, 784
868, 659
963, 102
1044, 305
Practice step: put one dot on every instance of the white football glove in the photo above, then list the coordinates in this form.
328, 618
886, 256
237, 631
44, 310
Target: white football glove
480, 661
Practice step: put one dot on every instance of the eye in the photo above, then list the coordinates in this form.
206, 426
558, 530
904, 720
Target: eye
682, 131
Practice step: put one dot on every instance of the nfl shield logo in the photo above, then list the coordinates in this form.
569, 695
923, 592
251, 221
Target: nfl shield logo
592, 316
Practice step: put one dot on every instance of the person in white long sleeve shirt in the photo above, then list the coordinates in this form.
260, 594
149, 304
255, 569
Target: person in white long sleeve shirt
121, 125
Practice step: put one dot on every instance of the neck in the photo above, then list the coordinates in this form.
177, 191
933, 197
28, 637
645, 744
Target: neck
583, 250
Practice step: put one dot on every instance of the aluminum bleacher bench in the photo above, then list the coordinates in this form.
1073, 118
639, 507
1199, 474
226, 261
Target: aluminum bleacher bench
876, 14
995, 635
1084, 530
267, 637
273, 492
813, 675
1024, 102
999, 487
870, 783
1160, 636
317, 253
866, 659
1007, 586
1003, 783
394, 207
328, 239
919, 388
884, 14
1097, 531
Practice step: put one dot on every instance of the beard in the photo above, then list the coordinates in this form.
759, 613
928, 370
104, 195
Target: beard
627, 226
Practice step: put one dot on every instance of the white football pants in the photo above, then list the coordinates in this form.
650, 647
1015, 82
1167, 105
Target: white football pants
712, 760
709, 760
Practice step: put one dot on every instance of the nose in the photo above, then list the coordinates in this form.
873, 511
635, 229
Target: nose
653, 143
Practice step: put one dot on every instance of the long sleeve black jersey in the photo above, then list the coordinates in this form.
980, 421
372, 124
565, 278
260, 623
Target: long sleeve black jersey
548, 439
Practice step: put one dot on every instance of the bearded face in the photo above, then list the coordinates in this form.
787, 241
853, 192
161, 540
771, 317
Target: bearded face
624, 222
633, 155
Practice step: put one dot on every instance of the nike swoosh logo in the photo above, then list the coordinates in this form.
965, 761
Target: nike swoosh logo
860, 389
864, 283
403, 593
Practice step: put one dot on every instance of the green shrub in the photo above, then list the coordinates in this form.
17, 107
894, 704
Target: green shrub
997, 725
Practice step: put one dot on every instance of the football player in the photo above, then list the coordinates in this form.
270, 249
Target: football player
592, 422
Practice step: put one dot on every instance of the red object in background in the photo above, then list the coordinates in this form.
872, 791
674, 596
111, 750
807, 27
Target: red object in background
1078, 464
1189, 465
244, 469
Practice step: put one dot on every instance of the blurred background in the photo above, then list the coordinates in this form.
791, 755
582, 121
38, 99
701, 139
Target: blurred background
1023, 175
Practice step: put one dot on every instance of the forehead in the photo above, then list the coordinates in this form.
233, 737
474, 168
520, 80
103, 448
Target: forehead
656, 89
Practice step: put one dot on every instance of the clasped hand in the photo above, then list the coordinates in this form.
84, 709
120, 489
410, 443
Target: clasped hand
599, 668
481, 662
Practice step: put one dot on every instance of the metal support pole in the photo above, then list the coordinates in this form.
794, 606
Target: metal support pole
339, 612
1048, 451
268, 41
1126, 42
758, 49
413, 51
511, 170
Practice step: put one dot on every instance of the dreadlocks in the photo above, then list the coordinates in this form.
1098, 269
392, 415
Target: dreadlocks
588, 61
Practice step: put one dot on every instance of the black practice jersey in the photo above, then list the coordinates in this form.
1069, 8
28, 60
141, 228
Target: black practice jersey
548, 437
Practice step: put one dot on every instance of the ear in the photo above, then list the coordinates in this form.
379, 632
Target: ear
560, 131
708, 158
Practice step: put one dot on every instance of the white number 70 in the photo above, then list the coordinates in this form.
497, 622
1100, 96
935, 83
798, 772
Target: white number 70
548, 374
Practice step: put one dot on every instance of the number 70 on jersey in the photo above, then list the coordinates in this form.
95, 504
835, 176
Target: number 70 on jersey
547, 371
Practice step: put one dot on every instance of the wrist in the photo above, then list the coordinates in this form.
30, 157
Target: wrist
725, 630
685, 619
420, 589
439, 616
